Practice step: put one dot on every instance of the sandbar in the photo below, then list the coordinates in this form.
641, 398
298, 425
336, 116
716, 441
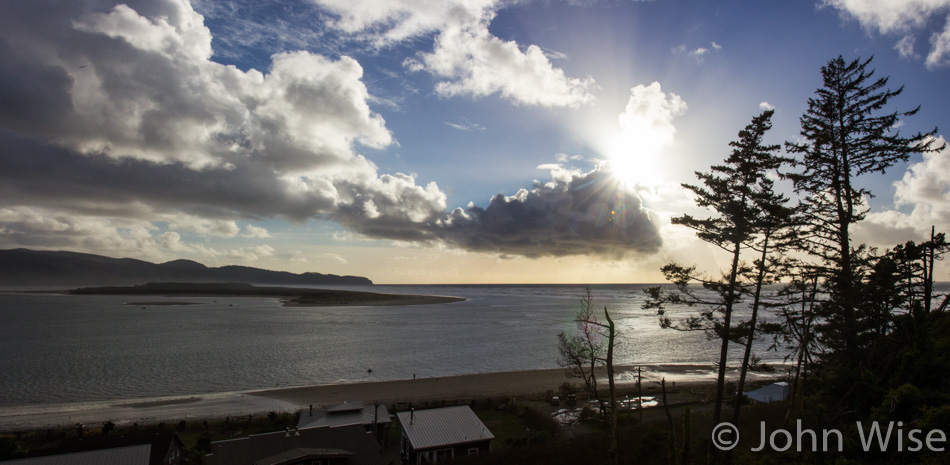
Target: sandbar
290, 296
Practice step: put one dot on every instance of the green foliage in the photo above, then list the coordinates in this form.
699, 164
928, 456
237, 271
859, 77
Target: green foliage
936, 418
900, 404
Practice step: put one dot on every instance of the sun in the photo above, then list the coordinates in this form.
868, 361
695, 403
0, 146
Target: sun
636, 161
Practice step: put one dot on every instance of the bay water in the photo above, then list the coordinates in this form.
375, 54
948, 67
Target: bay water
64, 348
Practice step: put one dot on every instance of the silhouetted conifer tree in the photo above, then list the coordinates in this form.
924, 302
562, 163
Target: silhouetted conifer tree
845, 134
747, 211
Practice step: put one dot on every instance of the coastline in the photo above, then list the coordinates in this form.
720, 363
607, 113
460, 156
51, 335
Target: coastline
291, 399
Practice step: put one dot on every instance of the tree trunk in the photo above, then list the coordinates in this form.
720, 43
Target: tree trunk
724, 349
744, 368
613, 450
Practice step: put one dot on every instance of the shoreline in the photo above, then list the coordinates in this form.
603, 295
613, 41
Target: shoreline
291, 399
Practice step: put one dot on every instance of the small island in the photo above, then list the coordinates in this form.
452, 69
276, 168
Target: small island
290, 296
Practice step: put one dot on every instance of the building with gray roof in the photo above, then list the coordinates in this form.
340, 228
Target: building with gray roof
124, 448
440, 434
130, 455
341, 445
374, 418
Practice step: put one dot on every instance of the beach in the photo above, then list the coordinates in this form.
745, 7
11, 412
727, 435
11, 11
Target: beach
533, 383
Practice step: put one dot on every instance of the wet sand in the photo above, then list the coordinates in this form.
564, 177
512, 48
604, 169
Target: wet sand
220, 405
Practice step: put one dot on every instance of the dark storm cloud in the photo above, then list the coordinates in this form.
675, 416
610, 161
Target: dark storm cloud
588, 214
46, 175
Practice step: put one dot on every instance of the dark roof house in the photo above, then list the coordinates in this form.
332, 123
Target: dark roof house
440, 434
121, 449
342, 445
130, 455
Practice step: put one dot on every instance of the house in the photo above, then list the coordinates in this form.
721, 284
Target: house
771, 393
131, 455
324, 445
374, 418
126, 449
440, 434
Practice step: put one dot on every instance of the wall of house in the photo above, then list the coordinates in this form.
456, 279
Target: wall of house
435, 455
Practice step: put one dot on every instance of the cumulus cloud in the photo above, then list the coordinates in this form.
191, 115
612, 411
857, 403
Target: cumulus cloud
587, 214
255, 231
121, 136
926, 186
647, 120
646, 127
766, 106
902, 18
121, 108
466, 56
925, 191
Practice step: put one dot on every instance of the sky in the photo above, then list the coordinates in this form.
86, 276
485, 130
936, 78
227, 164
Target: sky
431, 141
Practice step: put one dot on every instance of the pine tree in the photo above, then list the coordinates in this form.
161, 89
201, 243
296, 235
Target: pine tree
845, 134
740, 194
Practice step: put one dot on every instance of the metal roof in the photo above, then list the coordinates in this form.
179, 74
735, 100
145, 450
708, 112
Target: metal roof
446, 426
351, 414
131, 455
345, 407
301, 453
771, 393
267, 446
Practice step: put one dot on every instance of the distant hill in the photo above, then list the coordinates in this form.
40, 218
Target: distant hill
23, 267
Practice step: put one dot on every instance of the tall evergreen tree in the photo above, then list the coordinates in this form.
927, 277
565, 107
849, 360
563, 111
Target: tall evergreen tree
736, 191
845, 133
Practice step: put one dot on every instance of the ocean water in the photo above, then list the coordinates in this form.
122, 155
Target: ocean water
60, 348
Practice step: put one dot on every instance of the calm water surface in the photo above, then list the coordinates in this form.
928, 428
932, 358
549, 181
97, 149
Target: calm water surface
59, 348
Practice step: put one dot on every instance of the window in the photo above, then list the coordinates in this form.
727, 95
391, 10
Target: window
444, 454
473, 451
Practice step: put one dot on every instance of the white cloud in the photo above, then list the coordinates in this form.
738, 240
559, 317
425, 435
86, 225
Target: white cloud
331, 257
940, 52
126, 114
925, 191
467, 127
203, 226
700, 53
476, 63
251, 231
889, 16
926, 186
468, 58
766, 106
564, 158
903, 18
905, 47
388, 21
646, 127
